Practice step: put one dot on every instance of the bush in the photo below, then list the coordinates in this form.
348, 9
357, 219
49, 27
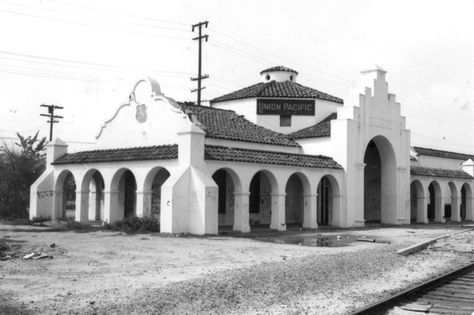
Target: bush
135, 224
40, 219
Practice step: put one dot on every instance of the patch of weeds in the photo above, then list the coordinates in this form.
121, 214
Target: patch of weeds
38, 221
74, 225
135, 225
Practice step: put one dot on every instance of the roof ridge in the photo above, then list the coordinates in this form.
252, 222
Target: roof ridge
268, 151
425, 148
131, 148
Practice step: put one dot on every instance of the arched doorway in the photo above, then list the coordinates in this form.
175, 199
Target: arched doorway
379, 181
66, 196
417, 213
451, 210
260, 199
152, 192
434, 205
294, 201
225, 180
327, 202
123, 188
94, 183
324, 202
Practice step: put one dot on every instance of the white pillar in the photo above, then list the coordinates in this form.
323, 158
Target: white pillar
278, 212
241, 212
421, 210
469, 209
336, 210
439, 209
92, 205
456, 209
111, 206
310, 211
82, 206
143, 203
359, 205
58, 200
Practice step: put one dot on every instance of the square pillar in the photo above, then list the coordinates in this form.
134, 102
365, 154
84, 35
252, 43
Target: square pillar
310, 211
241, 212
439, 210
422, 210
82, 206
143, 203
456, 209
469, 209
278, 212
336, 211
93, 206
111, 206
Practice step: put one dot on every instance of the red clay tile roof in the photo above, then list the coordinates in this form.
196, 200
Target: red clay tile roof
278, 68
438, 172
321, 129
443, 154
159, 152
226, 124
221, 153
287, 89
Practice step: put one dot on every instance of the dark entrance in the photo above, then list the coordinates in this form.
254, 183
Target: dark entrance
372, 184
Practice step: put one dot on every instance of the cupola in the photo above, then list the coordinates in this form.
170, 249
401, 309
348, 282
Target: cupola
279, 74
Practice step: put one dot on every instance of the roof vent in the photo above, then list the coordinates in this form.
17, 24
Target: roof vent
279, 74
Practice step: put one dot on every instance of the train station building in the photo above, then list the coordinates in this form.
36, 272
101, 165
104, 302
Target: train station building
274, 154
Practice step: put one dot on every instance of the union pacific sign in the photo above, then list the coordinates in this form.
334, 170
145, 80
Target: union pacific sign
285, 107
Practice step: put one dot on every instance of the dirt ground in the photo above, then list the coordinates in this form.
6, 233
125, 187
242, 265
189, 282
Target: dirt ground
102, 272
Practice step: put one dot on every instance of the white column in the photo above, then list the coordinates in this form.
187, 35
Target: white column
469, 209
359, 205
143, 203
278, 212
111, 206
310, 211
82, 206
91, 214
421, 210
336, 211
456, 208
58, 200
241, 212
439, 209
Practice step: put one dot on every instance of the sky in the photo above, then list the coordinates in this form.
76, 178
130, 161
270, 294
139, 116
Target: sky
87, 55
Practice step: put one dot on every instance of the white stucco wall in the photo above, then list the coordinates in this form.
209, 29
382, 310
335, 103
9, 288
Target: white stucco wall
316, 146
437, 162
124, 130
245, 107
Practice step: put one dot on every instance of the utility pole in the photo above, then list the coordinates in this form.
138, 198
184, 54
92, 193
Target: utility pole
52, 118
200, 77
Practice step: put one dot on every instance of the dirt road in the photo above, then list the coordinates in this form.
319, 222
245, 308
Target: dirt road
110, 272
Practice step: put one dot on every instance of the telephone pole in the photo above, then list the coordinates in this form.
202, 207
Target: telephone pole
52, 118
200, 77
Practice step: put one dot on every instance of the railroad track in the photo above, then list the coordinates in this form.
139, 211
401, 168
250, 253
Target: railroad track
452, 293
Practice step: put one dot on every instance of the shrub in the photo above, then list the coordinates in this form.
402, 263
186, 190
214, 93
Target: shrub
135, 224
40, 219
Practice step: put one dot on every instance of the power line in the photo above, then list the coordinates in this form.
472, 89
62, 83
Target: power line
93, 26
120, 13
94, 18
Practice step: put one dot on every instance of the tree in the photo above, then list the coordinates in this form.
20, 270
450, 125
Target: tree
20, 166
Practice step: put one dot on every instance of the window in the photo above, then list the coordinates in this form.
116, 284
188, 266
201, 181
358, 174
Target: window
285, 120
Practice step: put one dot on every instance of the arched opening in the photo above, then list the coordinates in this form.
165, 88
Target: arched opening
466, 203
324, 202
260, 199
66, 196
294, 201
226, 181
379, 181
152, 192
434, 205
124, 188
417, 202
93, 182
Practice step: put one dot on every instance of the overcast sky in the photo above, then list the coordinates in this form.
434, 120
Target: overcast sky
86, 56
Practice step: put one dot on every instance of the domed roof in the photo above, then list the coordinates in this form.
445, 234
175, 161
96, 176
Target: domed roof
279, 68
